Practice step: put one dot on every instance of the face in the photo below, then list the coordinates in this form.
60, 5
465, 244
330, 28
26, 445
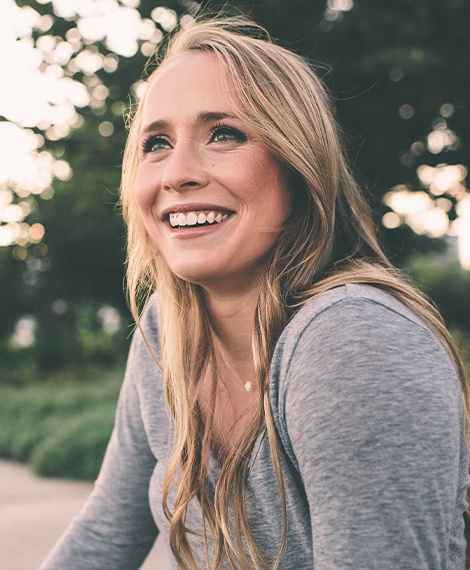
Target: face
212, 197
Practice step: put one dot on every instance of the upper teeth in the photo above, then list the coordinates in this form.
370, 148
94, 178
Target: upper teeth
195, 218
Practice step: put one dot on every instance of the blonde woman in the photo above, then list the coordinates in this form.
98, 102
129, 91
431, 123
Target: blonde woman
289, 401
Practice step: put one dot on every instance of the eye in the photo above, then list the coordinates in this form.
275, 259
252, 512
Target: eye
154, 143
225, 133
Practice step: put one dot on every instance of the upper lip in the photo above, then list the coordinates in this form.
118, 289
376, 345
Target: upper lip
177, 208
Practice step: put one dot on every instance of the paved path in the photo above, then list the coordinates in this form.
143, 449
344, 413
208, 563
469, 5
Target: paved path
34, 512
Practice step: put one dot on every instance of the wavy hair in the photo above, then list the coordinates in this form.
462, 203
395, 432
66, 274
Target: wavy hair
329, 241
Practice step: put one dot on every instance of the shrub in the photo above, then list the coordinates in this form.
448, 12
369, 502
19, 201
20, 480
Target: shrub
60, 427
75, 450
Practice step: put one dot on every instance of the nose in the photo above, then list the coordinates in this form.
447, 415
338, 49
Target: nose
184, 168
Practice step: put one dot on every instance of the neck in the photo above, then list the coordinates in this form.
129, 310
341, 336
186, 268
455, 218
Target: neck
232, 318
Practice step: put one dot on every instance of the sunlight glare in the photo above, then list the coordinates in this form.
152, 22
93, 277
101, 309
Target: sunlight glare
121, 26
429, 216
20, 163
406, 203
443, 178
165, 17
442, 138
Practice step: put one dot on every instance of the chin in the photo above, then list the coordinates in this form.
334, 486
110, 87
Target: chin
195, 275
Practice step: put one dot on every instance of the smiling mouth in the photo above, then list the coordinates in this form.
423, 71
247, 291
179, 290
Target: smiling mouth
197, 218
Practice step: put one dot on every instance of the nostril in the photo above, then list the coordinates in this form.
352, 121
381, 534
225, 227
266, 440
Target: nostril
168, 185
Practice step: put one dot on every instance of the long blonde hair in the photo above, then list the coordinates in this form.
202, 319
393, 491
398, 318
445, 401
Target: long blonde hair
330, 240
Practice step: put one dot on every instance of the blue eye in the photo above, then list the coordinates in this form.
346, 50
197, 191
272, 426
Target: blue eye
224, 133
154, 143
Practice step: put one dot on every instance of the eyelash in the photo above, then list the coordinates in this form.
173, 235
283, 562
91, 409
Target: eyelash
227, 129
220, 128
149, 141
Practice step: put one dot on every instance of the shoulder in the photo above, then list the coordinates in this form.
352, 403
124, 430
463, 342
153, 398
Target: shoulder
352, 315
149, 319
357, 346
369, 413
142, 397
336, 307
143, 371
145, 340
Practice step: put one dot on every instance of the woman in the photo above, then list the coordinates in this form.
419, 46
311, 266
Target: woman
289, 401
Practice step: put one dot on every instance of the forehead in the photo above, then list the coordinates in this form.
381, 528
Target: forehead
185, 85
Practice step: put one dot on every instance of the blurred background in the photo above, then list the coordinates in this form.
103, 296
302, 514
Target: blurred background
399, 73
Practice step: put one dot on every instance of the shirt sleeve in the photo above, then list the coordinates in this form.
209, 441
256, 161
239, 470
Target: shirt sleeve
373, 413
115, 529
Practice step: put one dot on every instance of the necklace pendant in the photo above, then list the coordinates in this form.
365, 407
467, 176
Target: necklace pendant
248, 386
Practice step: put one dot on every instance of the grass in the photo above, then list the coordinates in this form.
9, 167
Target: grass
60, 428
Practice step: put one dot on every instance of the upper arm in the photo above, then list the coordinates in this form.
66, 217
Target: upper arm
115, 529
372, 409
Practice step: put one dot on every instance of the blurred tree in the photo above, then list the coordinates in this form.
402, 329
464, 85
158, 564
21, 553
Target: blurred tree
79, 266
398, 71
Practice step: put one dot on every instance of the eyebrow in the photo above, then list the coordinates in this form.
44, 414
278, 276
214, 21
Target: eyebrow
202, 117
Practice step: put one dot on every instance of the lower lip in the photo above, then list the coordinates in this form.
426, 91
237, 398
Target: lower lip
189, 232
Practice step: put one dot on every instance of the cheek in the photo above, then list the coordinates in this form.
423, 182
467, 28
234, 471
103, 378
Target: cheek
279, 198
145, 190
286, 201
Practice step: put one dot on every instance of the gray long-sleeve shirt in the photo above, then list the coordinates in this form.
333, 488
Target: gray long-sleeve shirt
369, 414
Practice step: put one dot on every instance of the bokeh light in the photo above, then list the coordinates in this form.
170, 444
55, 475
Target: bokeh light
50, 79
44, 96
427, 212
24, 334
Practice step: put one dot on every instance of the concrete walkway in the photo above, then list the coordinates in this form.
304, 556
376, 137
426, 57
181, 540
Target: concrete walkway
34, 512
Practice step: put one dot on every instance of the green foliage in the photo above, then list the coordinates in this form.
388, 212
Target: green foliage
70, 343
61, 428
74, 449
447, 286
375, 58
